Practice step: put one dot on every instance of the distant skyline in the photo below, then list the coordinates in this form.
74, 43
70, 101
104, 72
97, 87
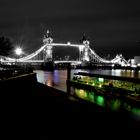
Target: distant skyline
113, 24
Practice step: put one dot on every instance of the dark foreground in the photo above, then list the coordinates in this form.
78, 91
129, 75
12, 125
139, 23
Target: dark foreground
38, 111
49, 110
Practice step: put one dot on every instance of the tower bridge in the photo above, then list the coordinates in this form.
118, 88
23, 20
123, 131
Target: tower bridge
45, 54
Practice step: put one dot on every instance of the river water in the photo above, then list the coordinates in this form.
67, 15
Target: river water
57, 79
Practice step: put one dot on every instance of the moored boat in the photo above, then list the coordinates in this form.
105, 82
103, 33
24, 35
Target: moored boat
112, 86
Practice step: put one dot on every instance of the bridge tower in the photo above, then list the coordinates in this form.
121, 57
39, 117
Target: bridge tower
48, 40
86, 56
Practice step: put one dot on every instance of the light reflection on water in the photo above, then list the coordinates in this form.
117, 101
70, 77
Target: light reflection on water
57, 79
98, 99
117, 72
114, 104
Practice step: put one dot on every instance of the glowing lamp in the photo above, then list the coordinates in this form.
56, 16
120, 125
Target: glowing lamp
18, 51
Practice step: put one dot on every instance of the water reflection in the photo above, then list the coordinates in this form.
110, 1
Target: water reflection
57, 78
114, 104
129, 73
49, 81
100, 101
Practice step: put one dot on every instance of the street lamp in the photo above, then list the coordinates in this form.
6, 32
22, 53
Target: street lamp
18, 52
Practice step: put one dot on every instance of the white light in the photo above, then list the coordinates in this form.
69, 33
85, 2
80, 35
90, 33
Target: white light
81, 47
68, 43
101, 79
18, 51
87, 58
133, 66
86, 53
113, 65
49, 52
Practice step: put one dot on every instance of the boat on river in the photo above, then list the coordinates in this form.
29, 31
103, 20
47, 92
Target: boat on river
110, 86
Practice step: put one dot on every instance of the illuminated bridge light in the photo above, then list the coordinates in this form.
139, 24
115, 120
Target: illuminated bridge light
84, 49
68, 43
73, 62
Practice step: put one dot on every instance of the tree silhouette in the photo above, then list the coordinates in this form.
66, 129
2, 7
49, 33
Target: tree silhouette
5, 46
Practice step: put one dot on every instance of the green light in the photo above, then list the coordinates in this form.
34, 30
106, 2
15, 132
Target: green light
85, 94
136, 111
100, 100
116, 104
91, 96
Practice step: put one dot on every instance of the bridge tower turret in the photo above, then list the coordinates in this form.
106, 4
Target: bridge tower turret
48, 40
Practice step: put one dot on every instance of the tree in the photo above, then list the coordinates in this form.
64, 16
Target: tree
5, 46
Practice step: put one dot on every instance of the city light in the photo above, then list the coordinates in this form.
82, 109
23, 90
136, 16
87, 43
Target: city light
18, 51
68, 43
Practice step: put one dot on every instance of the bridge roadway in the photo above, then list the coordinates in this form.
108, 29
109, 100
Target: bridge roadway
42, 61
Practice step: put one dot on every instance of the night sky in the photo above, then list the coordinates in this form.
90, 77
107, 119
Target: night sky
112, 26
